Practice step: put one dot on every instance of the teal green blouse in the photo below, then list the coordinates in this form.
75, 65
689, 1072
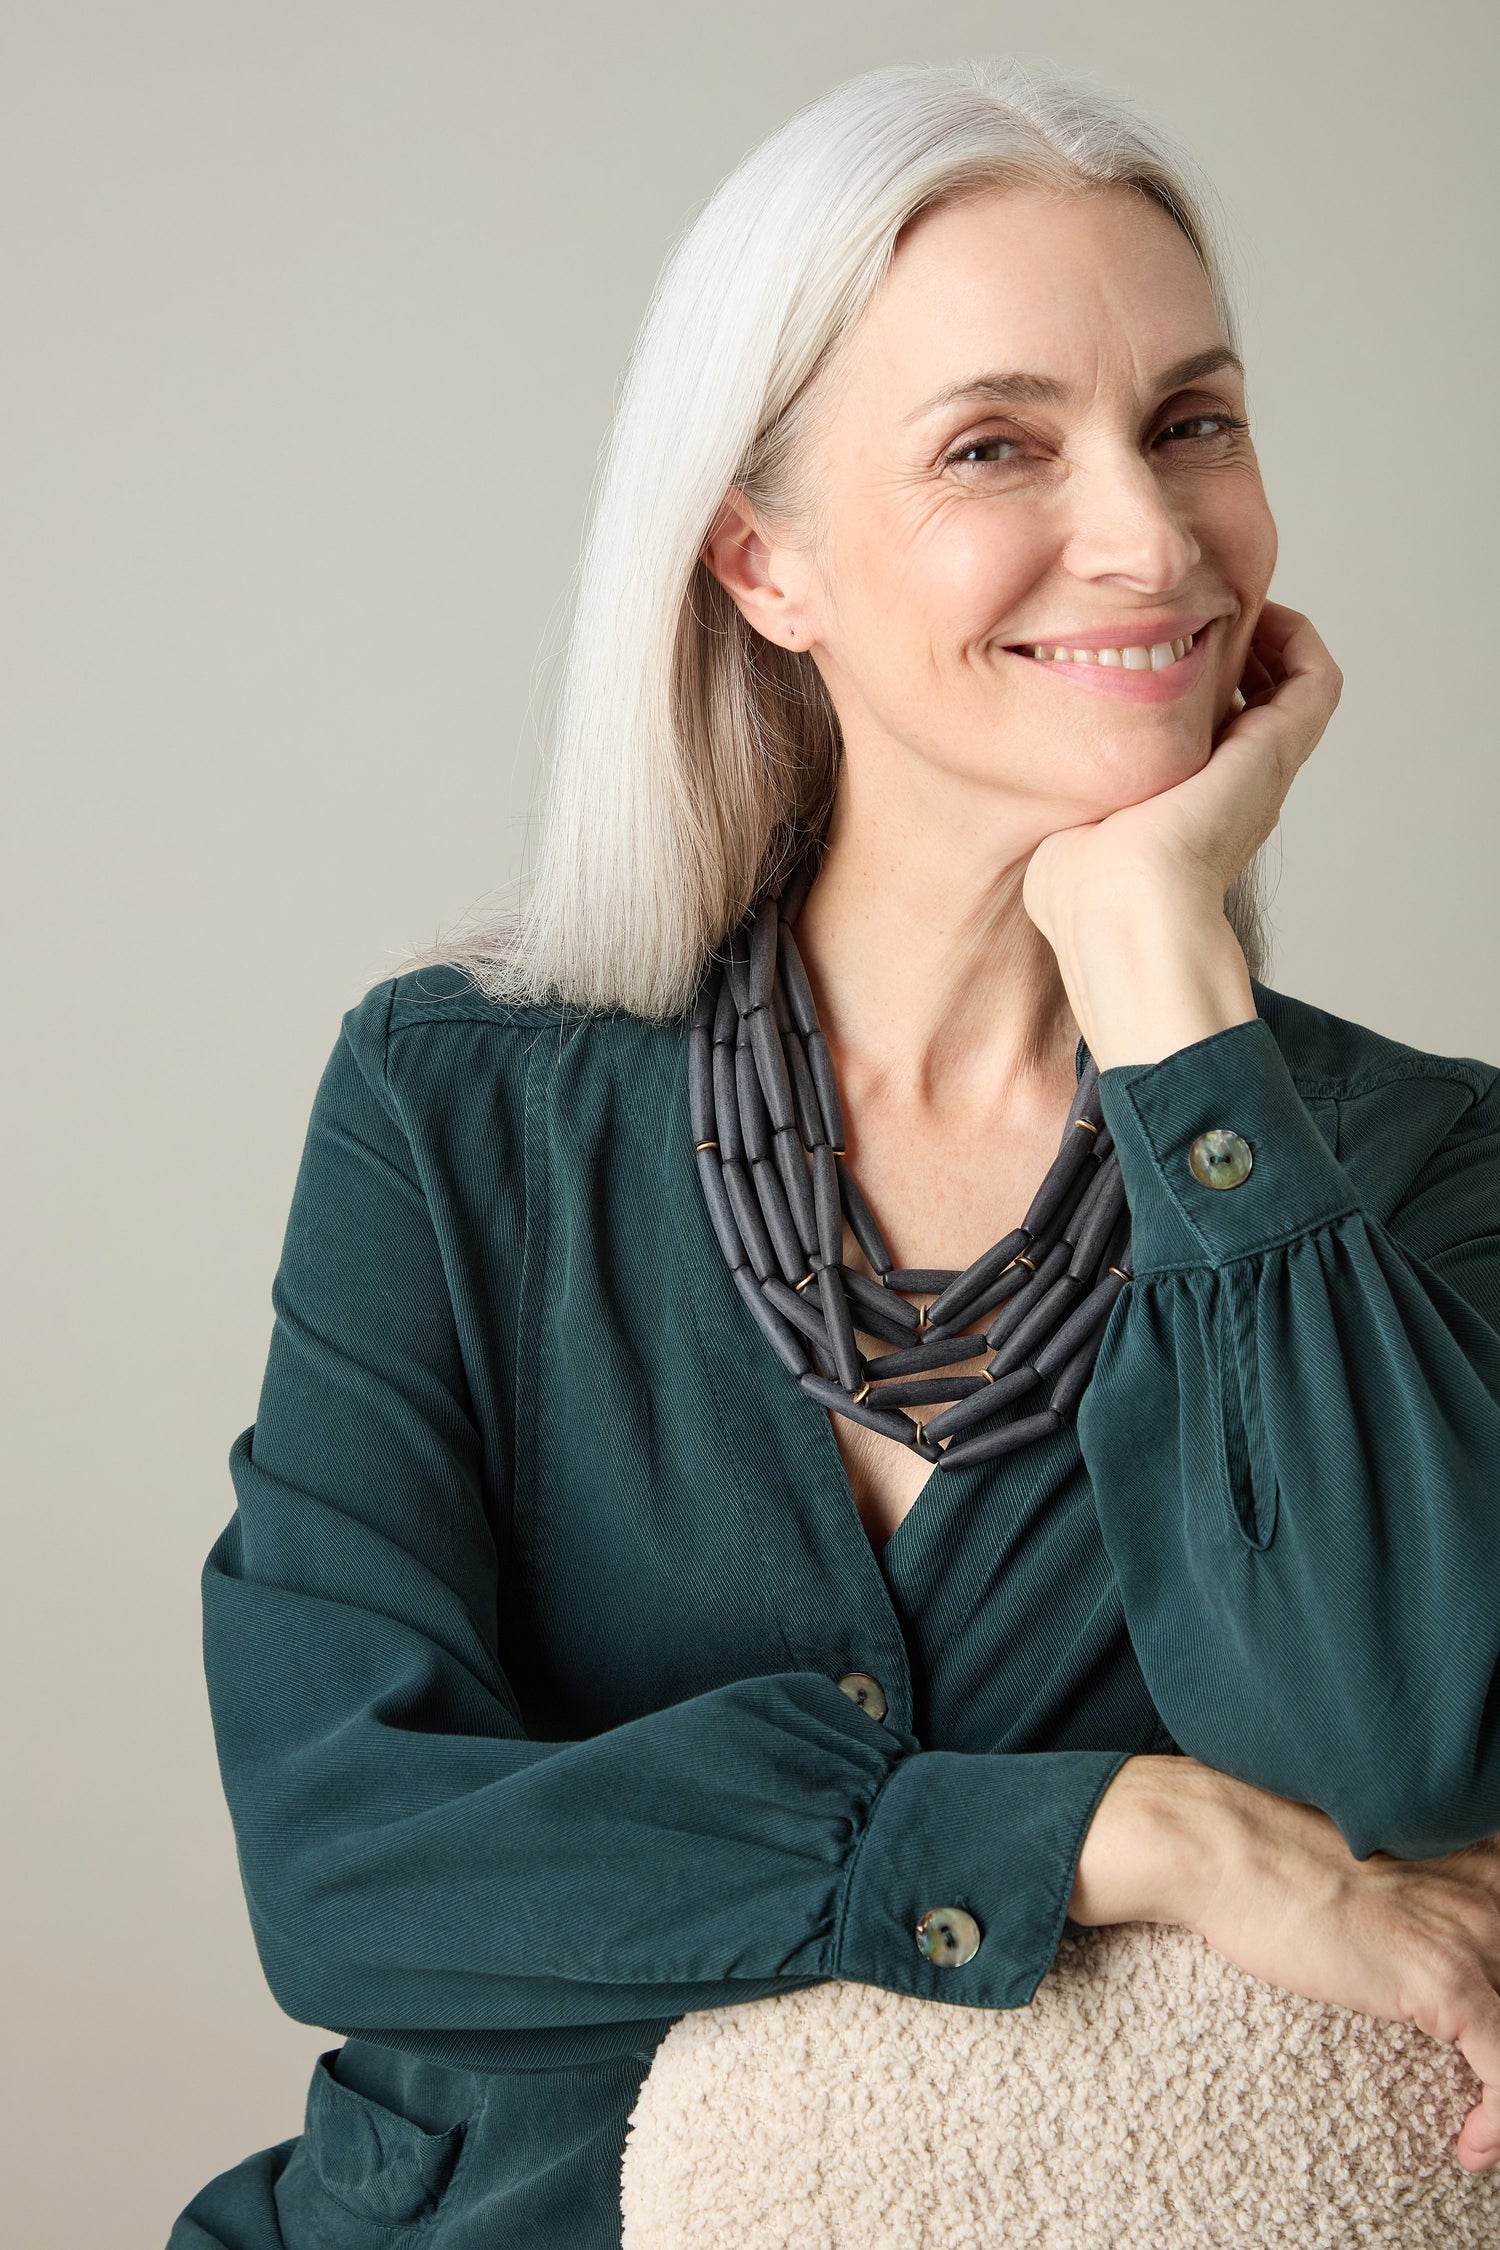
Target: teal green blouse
523, 1642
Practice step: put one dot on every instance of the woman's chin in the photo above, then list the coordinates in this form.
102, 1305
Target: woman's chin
1153, 759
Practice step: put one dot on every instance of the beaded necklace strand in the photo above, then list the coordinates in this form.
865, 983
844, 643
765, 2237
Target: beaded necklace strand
768, 1131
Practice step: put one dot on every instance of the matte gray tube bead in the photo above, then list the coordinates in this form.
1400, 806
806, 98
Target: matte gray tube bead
794, 895
876, 1309
798, 990
826, 1204
777, 1213
916, 1359
1093, 1236
976, 1277
1063, 1173
892, 1425
862, 1219
927, 1390
736, 968
1088, 1079
792, 1304
1089, 1313
726, 1014
707, 999
745, 1205
1073, 1381
970, 1413
755, 1125
919, 1280
781, 1338
820, 1062
763, 953
701, 1082
846, 1355
996, 1443
1013, 1278
786, 1146
1078, 1217
726, 1103
771, 1064
1053, 1309
804, 1093
1007, 1321
720, 1211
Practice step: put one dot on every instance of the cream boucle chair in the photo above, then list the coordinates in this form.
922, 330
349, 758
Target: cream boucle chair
1153, 2096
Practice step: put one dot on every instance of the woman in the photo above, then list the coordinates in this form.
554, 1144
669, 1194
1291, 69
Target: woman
574, 1665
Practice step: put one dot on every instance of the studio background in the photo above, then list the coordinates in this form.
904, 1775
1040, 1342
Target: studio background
316, 313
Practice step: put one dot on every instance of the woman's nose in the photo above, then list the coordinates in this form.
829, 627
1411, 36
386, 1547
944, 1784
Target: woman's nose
1125, 525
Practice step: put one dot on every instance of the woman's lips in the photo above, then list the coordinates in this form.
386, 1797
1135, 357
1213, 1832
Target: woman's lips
1131, 687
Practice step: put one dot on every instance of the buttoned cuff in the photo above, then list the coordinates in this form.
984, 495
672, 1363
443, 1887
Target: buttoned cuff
1236, 1082
997, 1837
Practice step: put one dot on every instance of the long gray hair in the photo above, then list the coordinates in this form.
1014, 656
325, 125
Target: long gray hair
692, 758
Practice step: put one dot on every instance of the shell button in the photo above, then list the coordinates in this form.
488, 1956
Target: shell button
866, 1692
1221, 1158
948, 1936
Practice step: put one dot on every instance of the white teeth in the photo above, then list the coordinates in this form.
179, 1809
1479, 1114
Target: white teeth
1156, 658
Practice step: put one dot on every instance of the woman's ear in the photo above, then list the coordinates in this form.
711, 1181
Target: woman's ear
750, 567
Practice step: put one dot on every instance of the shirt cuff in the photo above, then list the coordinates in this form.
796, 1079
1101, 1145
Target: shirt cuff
1235, 1082
997, 1837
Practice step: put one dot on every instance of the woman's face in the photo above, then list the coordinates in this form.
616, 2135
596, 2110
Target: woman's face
1036, 442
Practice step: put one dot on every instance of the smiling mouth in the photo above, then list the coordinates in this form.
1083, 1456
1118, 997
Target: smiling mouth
1158, 656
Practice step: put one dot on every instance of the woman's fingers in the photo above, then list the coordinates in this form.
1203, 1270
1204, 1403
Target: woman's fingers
1417, 1941
1475, 1869
1477, 2038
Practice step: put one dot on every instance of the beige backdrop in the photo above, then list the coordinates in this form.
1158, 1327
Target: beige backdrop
316, 310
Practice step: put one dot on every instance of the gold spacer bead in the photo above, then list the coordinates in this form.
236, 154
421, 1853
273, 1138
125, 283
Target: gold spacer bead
705, 1144
838, 1151
1021, 1259
921, 1432
1082, 1124
984, 1371
859, 1394
921, 1318
806, 1278
1121, 1272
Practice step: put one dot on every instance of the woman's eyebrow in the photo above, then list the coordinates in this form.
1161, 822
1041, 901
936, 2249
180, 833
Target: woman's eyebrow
1045, 390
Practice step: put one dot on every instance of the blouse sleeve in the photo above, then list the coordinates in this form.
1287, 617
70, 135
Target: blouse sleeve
1293, 1434
410, 1856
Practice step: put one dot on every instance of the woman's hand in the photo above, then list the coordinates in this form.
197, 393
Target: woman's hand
1416, 1941
1133, 905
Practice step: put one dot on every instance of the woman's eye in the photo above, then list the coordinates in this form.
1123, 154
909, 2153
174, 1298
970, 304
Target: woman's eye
1194, 428
972, 447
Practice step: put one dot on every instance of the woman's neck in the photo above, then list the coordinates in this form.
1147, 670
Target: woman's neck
934, 987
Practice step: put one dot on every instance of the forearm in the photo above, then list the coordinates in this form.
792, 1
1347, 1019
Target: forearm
1156, 1842
1150, 967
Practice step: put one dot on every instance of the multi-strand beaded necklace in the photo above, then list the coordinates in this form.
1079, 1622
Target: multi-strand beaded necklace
768, 1129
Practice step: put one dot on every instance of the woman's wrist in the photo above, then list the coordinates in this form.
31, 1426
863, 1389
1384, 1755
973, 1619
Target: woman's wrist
1156, 1844
1151, 968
